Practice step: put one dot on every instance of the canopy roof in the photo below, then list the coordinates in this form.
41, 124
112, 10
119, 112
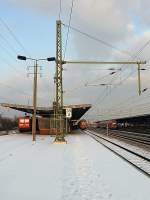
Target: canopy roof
77, 110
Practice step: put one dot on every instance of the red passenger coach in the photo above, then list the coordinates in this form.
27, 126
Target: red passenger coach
112, 124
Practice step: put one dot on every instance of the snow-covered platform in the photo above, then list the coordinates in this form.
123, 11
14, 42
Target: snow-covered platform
79, 170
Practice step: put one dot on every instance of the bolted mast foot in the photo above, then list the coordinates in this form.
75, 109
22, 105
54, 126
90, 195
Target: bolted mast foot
60, 140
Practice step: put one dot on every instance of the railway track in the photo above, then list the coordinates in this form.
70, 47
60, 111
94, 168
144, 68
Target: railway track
141, 162
135, 137
138, 138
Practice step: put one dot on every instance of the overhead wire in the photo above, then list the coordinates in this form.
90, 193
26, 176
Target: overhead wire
91, 37
14, 36
67, 37
129, 98
134, 56
8, 43
102, 96
97, 39
11, 66
107, 44
100, 99
18, 90
60, 9
10, 31
83, 84
6, 51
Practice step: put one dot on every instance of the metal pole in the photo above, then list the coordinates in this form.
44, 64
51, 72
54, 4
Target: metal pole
59, 85
107, 129
34, 102
102, 62
66, 125
139, 79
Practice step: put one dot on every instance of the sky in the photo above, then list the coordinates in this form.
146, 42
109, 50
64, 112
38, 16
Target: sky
122, 32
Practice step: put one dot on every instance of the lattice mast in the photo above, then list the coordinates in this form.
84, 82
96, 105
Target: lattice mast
59, 83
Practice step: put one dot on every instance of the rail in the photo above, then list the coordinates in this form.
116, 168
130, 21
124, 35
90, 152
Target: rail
142, 163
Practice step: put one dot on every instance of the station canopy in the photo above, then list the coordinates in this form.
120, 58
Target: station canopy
77, 110
139, 119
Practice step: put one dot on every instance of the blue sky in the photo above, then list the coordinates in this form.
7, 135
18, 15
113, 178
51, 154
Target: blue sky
32, 28
37, 34
33, 22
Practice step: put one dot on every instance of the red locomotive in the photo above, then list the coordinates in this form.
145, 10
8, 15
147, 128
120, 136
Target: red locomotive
82, 124
24, 124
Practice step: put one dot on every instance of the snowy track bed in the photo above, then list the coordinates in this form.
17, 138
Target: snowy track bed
82, 169
127, 152
139, 138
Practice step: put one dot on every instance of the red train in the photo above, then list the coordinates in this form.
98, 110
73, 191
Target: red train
112, 124
82, 124
24, 124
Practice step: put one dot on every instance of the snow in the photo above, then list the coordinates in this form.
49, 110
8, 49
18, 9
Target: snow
136, 160
82, 169
133, 146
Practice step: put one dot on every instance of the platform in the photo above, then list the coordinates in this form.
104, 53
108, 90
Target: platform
82, 169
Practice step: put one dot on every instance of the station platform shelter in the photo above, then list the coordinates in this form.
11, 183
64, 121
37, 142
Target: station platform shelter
45, 116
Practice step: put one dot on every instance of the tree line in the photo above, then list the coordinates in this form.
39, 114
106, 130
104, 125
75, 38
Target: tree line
7, 123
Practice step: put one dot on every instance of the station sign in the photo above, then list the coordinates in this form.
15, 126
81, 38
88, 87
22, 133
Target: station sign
68, 112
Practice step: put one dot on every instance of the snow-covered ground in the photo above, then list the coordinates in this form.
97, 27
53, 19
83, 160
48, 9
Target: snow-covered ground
79, 170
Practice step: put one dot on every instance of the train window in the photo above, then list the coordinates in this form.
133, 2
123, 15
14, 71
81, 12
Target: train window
26, 120
21, 120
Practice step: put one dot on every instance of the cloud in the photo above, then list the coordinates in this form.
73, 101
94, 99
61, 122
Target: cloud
123, 24
130, 27
45, 6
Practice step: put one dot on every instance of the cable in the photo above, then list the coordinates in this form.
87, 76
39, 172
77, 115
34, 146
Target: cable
8, 43
12, 67
7, 52
105, 95
60, 8
97, 39
70, 17
20, 91
14, 36
85, 84
143, 47
134, 56
138, 53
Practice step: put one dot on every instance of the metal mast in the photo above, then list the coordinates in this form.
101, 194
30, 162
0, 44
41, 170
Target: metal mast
59, 85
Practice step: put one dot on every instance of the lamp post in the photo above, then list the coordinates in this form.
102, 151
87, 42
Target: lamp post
34, 90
